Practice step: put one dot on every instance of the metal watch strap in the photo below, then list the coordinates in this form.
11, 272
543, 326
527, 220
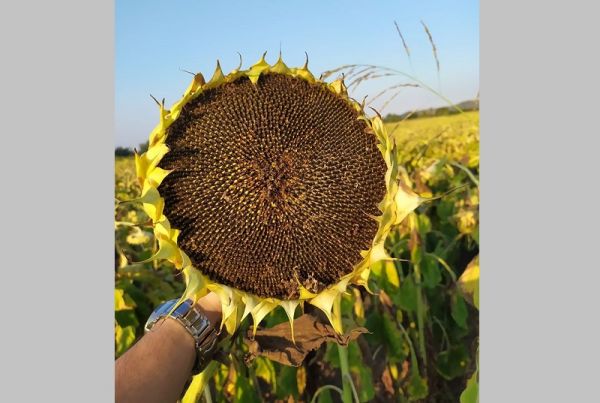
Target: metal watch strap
195, 322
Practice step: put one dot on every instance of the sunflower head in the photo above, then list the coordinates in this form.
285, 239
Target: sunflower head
271, 188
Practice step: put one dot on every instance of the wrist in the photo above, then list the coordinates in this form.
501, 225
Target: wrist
174, 331
192, 325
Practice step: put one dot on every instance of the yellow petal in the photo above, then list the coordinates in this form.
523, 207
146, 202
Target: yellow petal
262, 309
359, 309
185, 260
378, 253
157, 175
162, 228
338, 86
406, 202
304, 293
165, 121
167, 250
147, 162
155, 153
280, 67
197, 83
304, 74
362, 279
325, 300
155, 210
250, 302
217, 77
196, 284
380, 131
257, 69
290, 308
228, 307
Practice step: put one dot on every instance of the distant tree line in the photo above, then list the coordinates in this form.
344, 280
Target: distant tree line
466, 106
128, 152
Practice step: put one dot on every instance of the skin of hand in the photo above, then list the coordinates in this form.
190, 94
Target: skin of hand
156, 368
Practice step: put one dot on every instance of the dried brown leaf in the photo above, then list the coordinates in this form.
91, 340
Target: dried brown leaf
310, 333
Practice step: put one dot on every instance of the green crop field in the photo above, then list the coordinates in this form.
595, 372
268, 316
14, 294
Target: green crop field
423, 314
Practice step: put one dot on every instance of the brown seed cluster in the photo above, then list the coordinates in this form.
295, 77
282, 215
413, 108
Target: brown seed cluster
272, 185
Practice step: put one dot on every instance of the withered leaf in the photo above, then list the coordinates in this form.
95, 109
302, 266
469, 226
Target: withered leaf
310, 332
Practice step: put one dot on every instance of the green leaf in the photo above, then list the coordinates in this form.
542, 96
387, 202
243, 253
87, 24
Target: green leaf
275, 317
332, 356
126, 318
430, 269
124, 338
387, 275
424, 225
287, 385
123, 300
347, 303
475, 234
416, 254
459, 310
363, 378
417, 387
407, 297
471, 392
244, 391
445, 209
199, 382
374, 324
391, 273
144, 305
453, 362
397, 346
266, 370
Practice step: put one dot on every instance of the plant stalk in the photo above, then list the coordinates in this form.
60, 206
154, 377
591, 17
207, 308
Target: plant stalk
343, 354
346, 387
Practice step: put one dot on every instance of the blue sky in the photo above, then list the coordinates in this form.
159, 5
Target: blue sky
156, 39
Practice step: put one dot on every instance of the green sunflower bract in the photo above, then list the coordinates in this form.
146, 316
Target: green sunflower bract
264, 185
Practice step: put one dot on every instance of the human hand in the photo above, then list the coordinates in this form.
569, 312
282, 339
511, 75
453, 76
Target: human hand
210, 305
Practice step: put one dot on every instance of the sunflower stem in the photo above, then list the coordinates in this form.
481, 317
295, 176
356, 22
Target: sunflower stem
346, 387
343, 354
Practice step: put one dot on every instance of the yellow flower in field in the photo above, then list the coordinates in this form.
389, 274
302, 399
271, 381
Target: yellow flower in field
474, 199
138, 237
469, 281
466, 221
272, 189
132, 216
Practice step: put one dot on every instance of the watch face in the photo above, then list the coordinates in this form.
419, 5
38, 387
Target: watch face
159, 312
182, 309
164, 308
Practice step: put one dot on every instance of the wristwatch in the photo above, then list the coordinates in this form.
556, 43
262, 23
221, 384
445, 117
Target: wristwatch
195, 322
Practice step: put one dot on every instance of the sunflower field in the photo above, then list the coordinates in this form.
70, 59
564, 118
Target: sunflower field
417, 332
